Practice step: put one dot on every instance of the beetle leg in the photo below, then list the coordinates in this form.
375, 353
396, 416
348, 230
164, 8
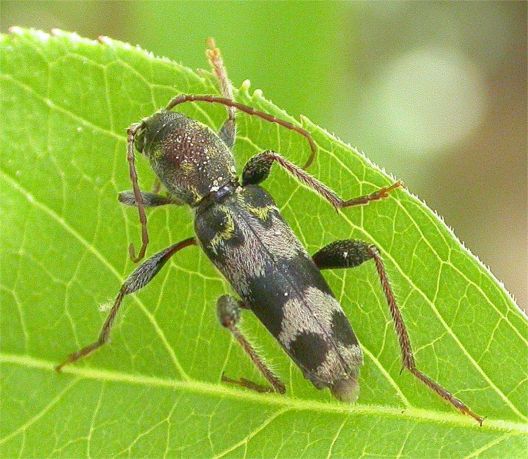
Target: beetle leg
228, 129
128, 198
258, 168
141, 276
350, 253
243, 382
228, 310
131, 137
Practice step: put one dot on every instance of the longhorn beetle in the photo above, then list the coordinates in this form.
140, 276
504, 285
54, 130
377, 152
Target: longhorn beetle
241, 231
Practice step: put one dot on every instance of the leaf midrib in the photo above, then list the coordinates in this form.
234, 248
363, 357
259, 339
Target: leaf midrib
222, 391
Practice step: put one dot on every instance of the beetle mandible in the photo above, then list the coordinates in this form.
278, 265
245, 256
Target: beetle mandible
240, 229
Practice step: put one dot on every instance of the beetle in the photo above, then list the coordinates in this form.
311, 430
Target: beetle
242, 232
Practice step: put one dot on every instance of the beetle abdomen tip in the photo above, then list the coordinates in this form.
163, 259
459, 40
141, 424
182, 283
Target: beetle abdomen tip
346, 390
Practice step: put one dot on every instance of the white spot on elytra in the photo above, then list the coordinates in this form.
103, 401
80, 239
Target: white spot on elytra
312, 313
331, 370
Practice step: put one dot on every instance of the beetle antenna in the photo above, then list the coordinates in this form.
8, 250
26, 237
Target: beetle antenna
132, 131
250, 111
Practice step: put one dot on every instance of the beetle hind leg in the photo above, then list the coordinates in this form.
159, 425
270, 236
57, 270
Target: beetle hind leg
228, 310
350, 253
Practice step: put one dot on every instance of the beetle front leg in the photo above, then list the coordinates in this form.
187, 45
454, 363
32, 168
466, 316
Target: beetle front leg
138, 279
350, 253
228, 310
257, 169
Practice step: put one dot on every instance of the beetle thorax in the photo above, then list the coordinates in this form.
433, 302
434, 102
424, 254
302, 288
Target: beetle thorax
188, 157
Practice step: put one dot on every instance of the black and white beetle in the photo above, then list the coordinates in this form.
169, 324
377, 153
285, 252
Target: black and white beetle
242, 232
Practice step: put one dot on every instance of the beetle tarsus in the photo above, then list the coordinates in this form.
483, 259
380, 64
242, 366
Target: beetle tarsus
243, 382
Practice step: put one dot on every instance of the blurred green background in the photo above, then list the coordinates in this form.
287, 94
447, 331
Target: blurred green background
434, 92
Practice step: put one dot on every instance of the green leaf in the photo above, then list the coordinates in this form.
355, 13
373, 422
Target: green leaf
66, 102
